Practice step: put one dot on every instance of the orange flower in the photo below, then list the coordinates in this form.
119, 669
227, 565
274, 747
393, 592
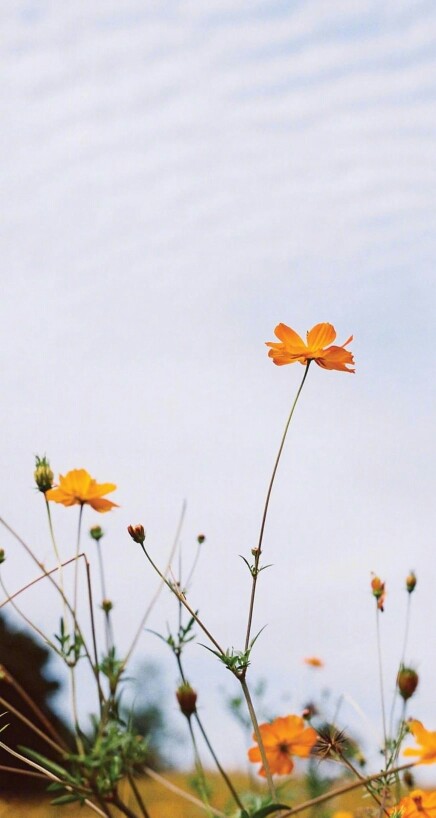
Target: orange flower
285, 737
426, 739
79, 488
418, 804
292, 348
313, 661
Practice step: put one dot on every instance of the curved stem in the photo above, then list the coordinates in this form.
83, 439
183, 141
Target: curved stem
76, 567
181, 597
258, 551
160, 586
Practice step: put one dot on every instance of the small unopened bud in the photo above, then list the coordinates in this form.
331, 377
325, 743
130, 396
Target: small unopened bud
407, 682
96, 532
408, 779
187, 698
200, 539
137, 533
309, 711
411, 582
378, 591
43, 474
107, 605
255, 551
2, 555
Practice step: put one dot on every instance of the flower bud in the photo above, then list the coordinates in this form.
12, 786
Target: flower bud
96, 532
137, 533
107, 605
411, 582
378, 591
187, 698
43, 474
407, 682
408, 779
200, 539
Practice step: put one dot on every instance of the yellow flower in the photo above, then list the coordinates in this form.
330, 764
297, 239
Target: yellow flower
285, 737
427, 740
292, 348
313, 661
79, 488
418, 804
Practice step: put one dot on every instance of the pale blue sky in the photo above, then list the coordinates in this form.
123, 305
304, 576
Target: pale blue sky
179, 178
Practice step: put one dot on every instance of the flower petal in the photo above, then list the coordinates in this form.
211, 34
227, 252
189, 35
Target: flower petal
291, 339
99, 504
320, 336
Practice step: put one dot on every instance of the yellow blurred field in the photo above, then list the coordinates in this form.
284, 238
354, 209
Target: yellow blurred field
163, 804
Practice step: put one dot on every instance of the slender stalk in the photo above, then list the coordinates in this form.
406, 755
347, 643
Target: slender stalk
33, 706
53, 539
181, 597
53, 582
76, 567
193, 566
160, 586
258, 735
402, 662
258, 551
209, 746
93, 631
11, 709
79, 741
50, 775
107, 620
382, 695
4, 768
178, 791
138, 796
327, 796
199, 769
28, 621
361, 777
123, 807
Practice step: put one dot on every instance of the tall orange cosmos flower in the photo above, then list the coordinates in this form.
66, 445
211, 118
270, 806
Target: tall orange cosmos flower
79, 488
426, 738
285, 737
292, 348
418, 804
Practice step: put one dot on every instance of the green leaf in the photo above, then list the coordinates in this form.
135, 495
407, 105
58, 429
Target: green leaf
45, 762
65, 799
262, 813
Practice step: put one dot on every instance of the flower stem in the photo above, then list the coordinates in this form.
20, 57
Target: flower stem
382, 695
258, 735
255, 570
76, 567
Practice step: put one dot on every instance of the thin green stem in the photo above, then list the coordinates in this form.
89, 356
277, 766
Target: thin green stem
138, 796
181, 597
209, 746
76, 567
199, 770
55, 547
49, 775
178, 791
10, 708
9, 679
327, 796
258, 550
160, 586
382, 695
402, 662
258, 735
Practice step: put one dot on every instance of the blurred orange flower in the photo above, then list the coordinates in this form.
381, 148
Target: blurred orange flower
418, 804
313, 661
292, 348
79, 488
284, 737
427, 739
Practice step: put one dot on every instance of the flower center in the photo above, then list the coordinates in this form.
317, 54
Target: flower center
284, 747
